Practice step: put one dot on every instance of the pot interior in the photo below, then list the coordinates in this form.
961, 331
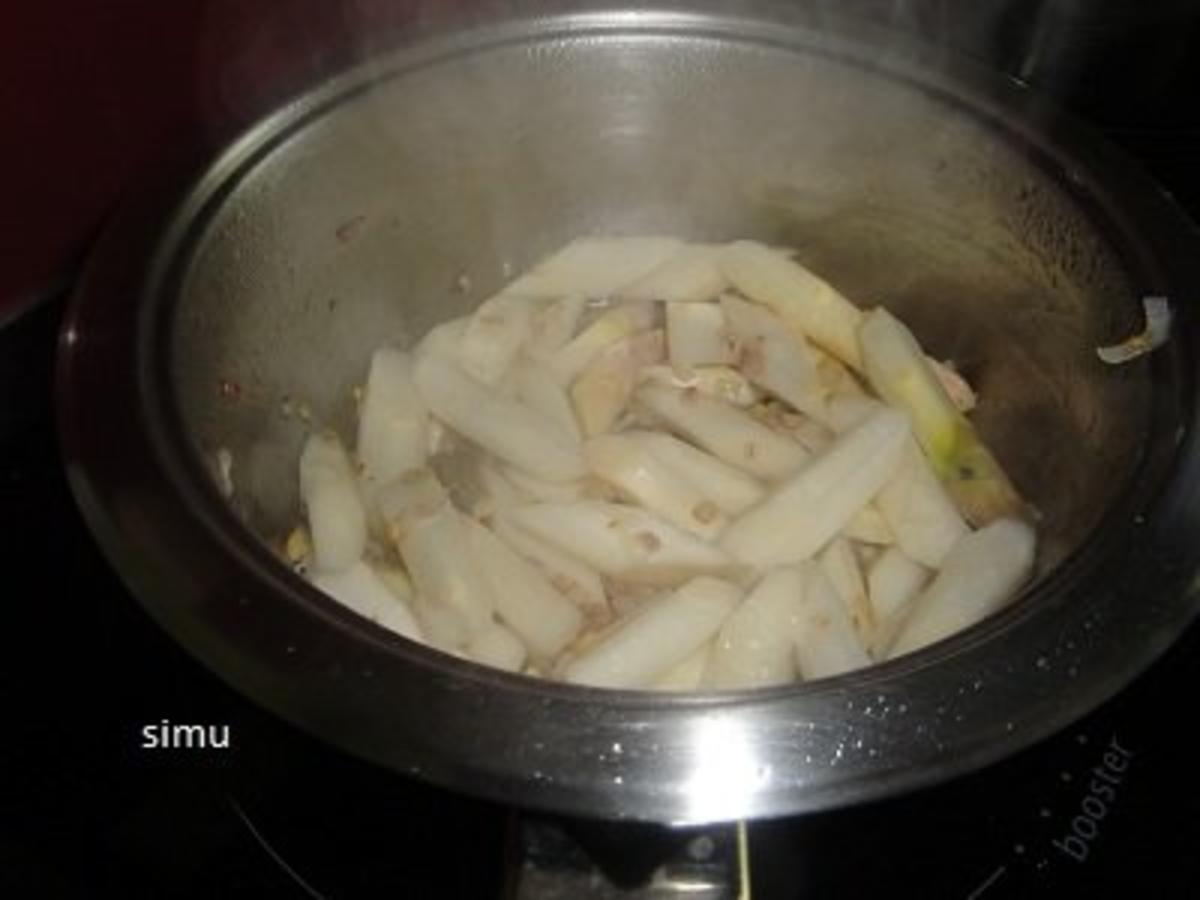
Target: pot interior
405, 192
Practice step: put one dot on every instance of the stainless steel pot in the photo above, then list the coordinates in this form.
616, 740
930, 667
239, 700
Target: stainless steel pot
1012, 240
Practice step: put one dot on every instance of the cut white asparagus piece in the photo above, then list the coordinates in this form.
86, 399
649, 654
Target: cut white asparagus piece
442, 340
732, 490
494, 335
919, 511
979, 576
553, 324
687, 675
537, 388
525, 600
510, 430
809, 305
444, 576
900, 373
413, 495
773, 358
797, 520
722, 382
756, 645
690, 274
893, 582
501, 492
627, 463
362, 590
602, 390
697, 336
868, 526
725, 431
826, 643
662, 634
392, 422
571, 577
846, 410
622, 541
840, 566
540, 491
621, 321
329, 488
595, 266
497, 647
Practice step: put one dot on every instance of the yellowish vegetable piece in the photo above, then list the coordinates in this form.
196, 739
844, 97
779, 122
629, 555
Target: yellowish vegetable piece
756, 645
623, 542
956, 387
697, 336
689, 275
725, 431
901, 375
804, 513
628, 464
826, 642
602, 391
662, 634
595, 266
978, 577
808, 304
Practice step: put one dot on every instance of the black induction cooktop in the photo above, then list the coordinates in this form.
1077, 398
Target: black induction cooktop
105, 791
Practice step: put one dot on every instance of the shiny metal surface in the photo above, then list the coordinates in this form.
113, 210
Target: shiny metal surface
1012, 241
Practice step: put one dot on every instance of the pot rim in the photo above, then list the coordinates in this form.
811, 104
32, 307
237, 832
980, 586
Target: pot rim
1072, 642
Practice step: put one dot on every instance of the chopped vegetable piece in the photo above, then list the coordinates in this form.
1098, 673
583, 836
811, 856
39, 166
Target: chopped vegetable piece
756, 645
901, 374
494, 336
697, 336
622, 541
361, 589
800, 517
978, 577
393, 422
603, 389
595, 266
662, 634
809, 305
725, 431
627, 463
497, 647
893, 582
732, 490
840, 566
525, 600
826, 642
919, 511
512, 431
337, 520
690, 274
